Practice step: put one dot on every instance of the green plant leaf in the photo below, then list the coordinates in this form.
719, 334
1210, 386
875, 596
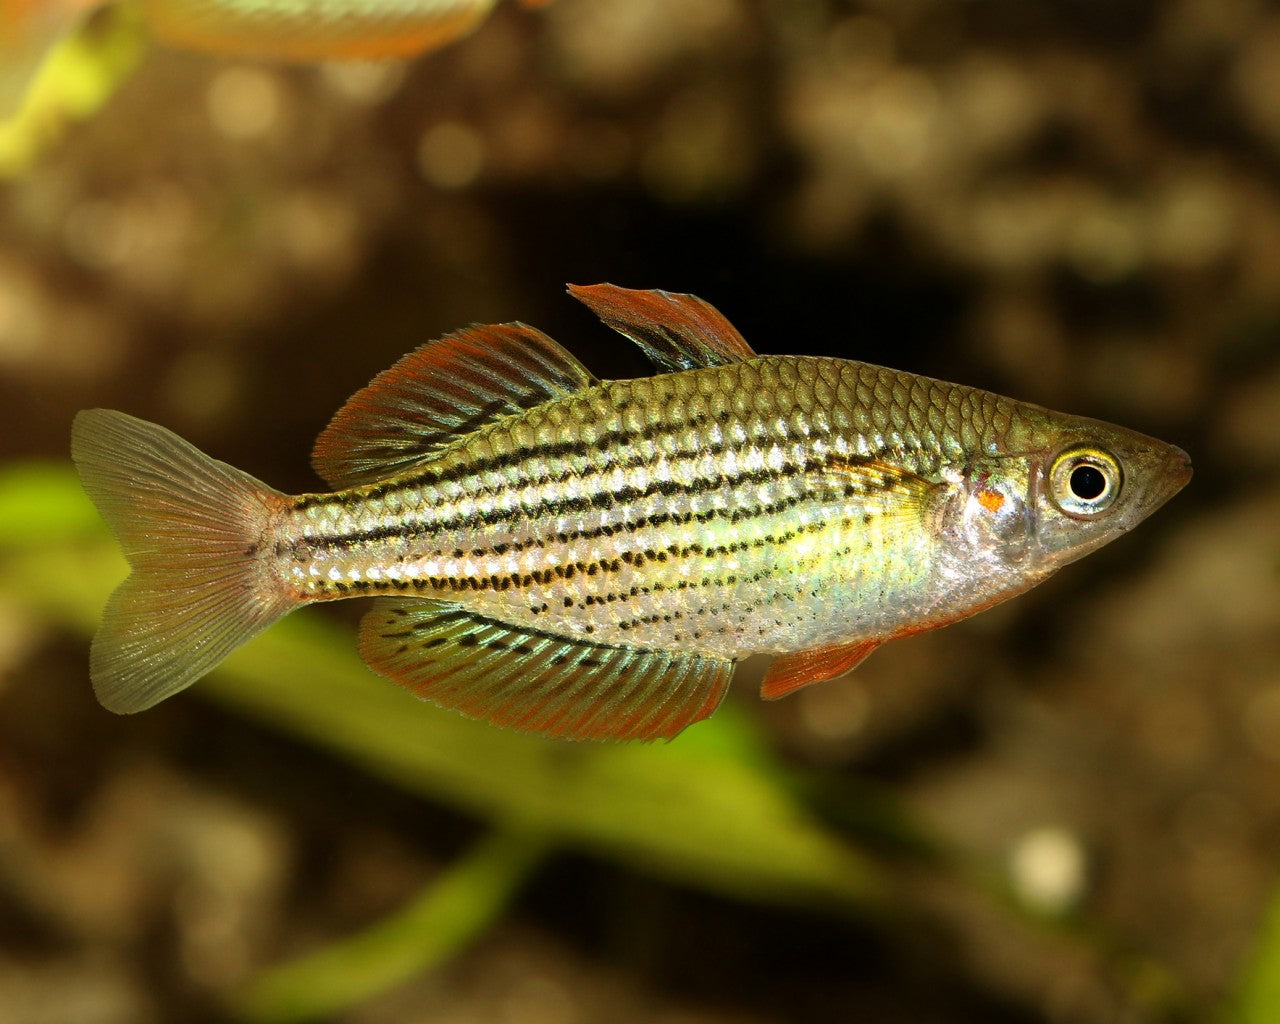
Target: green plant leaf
451, 912
1257, 1000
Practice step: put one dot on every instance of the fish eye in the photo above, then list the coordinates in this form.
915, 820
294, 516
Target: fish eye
1084, 482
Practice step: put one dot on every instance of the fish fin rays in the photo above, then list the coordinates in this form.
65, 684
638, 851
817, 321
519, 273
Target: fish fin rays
677, 332
538, 682
194, 530
450, 387
878, 490
790, 672
438, 393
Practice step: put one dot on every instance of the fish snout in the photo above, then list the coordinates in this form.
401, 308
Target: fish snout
1178, 468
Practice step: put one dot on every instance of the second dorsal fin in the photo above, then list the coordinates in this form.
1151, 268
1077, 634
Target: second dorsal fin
439, 392
678, 332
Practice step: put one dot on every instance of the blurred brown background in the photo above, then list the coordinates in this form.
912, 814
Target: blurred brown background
1075, 202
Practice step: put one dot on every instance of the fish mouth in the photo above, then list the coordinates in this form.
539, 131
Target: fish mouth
1174, 473
1178, 468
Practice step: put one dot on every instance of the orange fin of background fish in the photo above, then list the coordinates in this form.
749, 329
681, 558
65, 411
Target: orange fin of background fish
790, 672
319, 31
192, 529
538, 682
441, 391
677, 332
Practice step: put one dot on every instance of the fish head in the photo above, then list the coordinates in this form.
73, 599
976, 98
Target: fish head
1070, 486
1097, 481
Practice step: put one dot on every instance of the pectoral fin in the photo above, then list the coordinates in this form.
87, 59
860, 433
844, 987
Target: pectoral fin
792, 671
538, 682
879, 489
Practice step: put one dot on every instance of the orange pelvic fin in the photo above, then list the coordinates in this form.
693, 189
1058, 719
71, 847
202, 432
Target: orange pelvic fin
790, 672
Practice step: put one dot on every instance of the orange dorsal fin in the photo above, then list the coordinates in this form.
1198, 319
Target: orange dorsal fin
538, 682
439, 392
677, 332
790, 672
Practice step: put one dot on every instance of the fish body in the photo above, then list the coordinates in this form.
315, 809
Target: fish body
293, 30
589, 558
723, 509
313, 29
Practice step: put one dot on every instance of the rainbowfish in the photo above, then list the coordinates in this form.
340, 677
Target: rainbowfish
297, 30
588, 559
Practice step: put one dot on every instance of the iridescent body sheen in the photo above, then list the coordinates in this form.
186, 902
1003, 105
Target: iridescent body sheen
702, 510
588, 559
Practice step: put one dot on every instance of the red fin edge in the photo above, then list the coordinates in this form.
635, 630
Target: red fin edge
439, 392
678, 332
790, 672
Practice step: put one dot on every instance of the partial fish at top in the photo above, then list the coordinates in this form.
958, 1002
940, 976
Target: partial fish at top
300, 30
588, 559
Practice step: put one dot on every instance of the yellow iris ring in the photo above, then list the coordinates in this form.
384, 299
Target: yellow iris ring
1085, 482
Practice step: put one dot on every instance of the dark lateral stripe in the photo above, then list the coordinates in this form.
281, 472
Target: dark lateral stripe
756, 428
555, 506
605, 498
635, 558
758, 431
652, 522
461, 472
569, 570
621, 437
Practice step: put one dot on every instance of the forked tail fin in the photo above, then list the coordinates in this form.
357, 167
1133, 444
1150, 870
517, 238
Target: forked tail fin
193, 530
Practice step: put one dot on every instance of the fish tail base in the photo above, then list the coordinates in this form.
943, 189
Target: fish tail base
195, 531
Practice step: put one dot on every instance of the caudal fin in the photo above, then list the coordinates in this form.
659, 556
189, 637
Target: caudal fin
193, 531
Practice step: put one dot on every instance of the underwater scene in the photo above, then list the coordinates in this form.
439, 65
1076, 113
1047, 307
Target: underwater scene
619, 363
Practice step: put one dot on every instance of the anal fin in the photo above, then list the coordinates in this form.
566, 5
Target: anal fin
538, 682
790, 672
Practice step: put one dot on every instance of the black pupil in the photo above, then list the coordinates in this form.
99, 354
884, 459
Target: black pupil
1087, 482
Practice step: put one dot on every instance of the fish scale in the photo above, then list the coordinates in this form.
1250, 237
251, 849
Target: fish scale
589, 559
735, 562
